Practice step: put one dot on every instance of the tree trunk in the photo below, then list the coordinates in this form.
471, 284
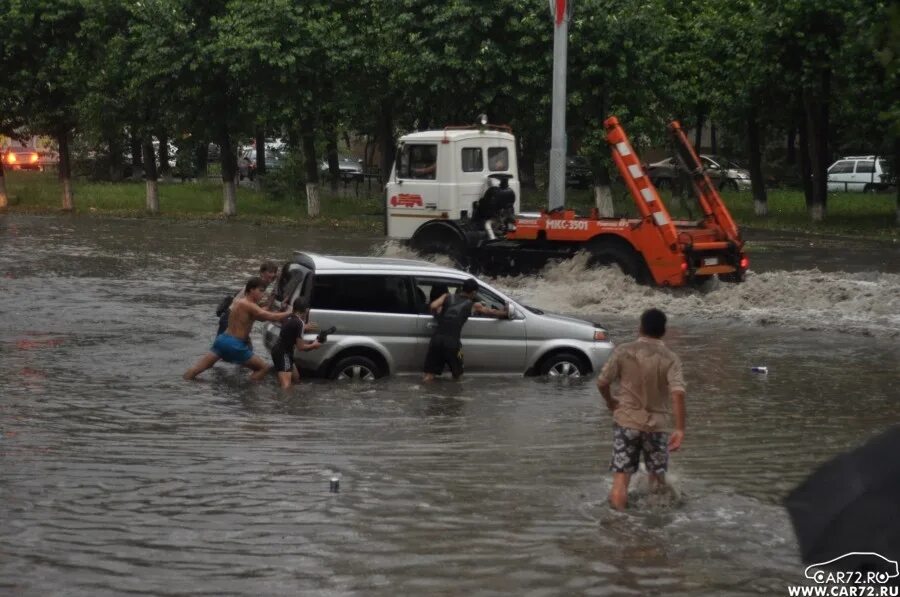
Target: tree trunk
229, 172
804, 164
603, 198
115, 157
698, 133
4, 198
791, 153
816, 106
65, 171
137, 162
308, 135
713, 139
260, 151
201, 159
331, 152
897, 174
386, 139
312, 199
526, 163
165, 170
152, 199
754, 151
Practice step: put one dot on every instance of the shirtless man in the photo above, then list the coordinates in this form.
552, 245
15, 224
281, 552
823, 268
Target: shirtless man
231, 346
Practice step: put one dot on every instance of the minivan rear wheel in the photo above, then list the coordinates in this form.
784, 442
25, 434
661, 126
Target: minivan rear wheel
564, 365
356, 368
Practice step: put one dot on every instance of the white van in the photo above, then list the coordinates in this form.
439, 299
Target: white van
857, 173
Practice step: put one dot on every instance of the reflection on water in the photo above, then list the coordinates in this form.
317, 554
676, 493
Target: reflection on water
118, 477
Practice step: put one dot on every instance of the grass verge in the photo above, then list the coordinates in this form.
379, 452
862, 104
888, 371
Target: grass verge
32, 192
849, 214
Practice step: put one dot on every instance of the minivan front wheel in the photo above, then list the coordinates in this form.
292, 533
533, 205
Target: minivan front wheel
356, 368
564, 365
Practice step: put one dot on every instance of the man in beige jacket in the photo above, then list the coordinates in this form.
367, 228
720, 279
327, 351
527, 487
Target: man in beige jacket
649, 393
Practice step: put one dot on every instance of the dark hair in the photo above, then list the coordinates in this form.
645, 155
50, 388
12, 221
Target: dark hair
268, 267
653, 323
300, 304
254, 282
470, 285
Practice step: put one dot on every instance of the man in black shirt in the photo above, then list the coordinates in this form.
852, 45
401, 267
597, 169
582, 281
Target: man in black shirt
451, 313
291, 338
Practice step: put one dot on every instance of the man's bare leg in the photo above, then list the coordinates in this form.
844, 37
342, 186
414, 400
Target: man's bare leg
657, 482
429, 377
618, 495
284, 379
295, 374
259, 366
205, 362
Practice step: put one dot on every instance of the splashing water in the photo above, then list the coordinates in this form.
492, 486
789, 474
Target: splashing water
866, 303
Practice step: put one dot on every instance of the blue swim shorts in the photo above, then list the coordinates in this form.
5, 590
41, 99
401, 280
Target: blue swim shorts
231, 349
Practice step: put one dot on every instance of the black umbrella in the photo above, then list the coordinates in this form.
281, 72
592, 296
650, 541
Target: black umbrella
851, 503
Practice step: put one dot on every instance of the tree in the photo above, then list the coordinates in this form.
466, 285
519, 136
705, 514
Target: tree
43, 44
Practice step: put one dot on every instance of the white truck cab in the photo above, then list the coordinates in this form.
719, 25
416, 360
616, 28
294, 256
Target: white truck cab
440, 175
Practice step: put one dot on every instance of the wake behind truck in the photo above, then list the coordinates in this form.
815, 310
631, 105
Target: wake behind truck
456, 192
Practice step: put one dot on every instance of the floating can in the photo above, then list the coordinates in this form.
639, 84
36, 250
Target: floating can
762, 370
335, 485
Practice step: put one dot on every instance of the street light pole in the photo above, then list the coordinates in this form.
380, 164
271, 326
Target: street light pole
556, 187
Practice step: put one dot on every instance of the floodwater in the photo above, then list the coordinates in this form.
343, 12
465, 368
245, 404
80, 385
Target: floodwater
116, 477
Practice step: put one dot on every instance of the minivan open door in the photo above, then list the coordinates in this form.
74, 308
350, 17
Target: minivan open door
296, 279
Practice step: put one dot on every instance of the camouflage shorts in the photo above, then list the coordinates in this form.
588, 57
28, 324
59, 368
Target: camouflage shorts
628, 445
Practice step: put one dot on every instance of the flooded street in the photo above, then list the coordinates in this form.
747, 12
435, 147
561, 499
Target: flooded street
118, 477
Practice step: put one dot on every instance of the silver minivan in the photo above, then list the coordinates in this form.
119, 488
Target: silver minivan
380, 309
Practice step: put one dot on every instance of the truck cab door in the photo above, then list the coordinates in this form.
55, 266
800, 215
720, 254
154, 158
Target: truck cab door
413, 193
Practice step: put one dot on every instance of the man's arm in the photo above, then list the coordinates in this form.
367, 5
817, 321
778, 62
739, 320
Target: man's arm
675, 380
438, 303
678, 412
262, 315
304, 346
608, 375
482, 310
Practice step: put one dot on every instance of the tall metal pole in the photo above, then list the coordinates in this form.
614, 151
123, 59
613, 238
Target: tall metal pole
556, 187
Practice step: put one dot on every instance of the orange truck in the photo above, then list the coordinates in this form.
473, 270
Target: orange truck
443, 197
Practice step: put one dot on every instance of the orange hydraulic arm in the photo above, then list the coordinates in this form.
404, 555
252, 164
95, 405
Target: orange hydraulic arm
642, 190
713, 207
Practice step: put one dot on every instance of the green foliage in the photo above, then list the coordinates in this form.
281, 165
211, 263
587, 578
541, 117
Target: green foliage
221, 69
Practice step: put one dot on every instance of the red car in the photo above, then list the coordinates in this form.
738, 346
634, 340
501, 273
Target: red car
22, 158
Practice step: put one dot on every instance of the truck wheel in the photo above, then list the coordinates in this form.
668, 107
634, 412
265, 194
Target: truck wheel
627, 259
564, 365
356, 368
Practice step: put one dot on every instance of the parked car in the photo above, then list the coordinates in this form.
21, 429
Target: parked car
247, 162
380, 309
578, 172
351, 169
858, 173
22, 158
724, 173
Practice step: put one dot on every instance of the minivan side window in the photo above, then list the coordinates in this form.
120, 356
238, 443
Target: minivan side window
472, 159
417, 161
843, 167
428, 290
366, 293
865, 167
